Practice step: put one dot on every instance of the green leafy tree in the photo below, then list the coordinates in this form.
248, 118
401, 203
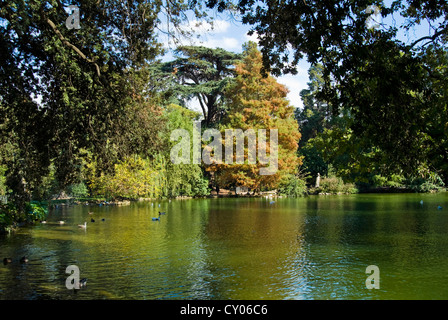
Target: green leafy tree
66, 91
388, 87
184, 179
313, 118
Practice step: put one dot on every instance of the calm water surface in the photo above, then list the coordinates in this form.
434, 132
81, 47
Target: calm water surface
308, 248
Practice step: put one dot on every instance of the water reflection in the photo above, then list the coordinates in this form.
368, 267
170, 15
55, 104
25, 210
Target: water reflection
308, 248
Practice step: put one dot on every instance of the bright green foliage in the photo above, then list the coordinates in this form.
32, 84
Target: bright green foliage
155, 177
9, 215
78, 190
36, 211
133, 177
184, 179
293, 186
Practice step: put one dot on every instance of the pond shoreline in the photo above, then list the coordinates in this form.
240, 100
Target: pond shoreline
68, 201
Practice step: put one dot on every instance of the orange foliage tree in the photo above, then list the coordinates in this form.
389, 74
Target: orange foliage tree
258, 102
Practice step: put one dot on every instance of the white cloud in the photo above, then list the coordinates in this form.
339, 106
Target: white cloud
295, 84
203, 27
226, 43
253, 37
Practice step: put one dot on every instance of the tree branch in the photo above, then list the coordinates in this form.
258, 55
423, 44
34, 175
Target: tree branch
432, 38
71, 46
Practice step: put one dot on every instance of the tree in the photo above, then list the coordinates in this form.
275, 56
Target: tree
184, 179
313, 118
65, 93
203, 73
382, 82
257, 102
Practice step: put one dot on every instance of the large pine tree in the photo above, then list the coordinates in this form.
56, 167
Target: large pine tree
203, 73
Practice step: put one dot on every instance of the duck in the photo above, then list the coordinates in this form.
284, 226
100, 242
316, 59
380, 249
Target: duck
90, 212
7, 260
24, 259
83, 226
157, 219
103, 219
92, 220
439, 208
62, 222
43, 221
161, 213
83, 282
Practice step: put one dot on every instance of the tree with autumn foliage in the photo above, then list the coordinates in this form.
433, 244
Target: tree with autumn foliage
256, 101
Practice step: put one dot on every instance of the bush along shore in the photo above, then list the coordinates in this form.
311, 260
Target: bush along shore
13, 216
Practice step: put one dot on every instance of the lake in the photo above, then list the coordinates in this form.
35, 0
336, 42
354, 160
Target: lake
316, 247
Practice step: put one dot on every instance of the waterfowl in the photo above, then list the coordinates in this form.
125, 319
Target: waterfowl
7, 260
24, 260
83, 226
439, 208
61, 222
155, 219
103, 219
83, 282
92, 220
272, 202
90, 212
43, 221
161, 213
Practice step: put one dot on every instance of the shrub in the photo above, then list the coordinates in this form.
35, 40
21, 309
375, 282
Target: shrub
36, 211
78, 190
334, 184
292, 186
432, 182
10, 215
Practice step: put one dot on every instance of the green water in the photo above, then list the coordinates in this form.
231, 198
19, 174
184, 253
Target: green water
308, 248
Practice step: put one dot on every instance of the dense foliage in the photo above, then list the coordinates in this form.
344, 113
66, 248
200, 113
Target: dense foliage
393, 92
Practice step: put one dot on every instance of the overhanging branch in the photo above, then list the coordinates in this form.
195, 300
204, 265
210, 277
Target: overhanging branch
71, 46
